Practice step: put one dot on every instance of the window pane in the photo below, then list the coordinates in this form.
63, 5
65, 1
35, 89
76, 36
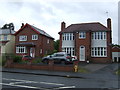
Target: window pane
95, 35
101, 35
70, 36
67, 36
101, 51
98, 35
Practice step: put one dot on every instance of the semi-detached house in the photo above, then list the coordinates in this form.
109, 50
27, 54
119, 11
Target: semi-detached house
7, 41
88, 41
32, 41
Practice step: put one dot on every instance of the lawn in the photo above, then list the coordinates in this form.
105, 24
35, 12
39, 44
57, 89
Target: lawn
118, 72
83, 70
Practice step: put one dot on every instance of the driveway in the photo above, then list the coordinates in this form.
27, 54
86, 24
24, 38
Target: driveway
100, 68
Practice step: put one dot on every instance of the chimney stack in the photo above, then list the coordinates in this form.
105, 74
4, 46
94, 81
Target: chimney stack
63, 25
109, 23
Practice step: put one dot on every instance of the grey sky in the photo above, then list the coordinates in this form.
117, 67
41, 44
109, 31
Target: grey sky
48, 14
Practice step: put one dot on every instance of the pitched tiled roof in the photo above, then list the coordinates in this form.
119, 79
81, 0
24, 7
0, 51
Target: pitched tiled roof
41, 31
37, 30
6, 31
96, 26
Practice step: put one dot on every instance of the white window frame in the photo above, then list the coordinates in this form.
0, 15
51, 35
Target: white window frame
67, 36
99, 35
82, 35
48, 41
35, 37
21, 49
41, 51
23, 38
99, 51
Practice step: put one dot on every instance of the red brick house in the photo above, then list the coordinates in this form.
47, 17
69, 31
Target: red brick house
116, 54
88, 41
30, 40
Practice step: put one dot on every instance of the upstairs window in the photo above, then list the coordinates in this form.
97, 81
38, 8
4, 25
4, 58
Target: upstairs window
82, 35
34, 37
68, 36
99, 35
23, 38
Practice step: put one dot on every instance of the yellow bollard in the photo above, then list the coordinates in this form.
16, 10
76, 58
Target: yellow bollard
76, 68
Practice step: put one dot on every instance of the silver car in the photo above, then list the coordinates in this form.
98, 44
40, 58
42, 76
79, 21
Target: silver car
60, 57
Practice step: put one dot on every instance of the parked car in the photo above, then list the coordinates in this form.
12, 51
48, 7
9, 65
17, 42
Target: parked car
26, 57
60, 57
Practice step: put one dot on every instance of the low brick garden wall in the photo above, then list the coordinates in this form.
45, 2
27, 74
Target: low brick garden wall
50, 66
42, 67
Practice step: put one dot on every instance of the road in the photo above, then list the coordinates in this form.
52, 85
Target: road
29, 81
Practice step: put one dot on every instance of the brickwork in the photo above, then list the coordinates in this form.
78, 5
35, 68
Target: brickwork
40, 44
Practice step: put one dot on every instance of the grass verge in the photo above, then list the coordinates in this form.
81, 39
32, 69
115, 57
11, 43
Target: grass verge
83, 70
118, 72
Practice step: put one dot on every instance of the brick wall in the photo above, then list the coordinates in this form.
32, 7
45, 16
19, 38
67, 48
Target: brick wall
41, 43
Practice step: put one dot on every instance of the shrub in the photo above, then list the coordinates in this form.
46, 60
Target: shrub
17, 59
2, 60
38, 60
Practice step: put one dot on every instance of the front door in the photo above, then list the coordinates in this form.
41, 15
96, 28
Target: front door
82, 53
32, 52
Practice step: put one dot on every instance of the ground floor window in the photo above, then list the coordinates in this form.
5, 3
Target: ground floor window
69, 50
21, 49
98, 51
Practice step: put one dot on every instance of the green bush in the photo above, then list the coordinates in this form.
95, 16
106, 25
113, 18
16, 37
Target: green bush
23, 62
17, 59
38, 60
2, 60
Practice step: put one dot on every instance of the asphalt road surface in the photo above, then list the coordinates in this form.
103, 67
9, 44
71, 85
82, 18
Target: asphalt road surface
29, 81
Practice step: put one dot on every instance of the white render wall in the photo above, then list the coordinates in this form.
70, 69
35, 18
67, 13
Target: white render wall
99, 43
68, 43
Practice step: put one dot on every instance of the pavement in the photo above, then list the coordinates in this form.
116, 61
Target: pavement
101, 71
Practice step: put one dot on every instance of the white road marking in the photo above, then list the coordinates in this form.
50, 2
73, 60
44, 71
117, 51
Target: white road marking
27, 81
52, 83
23, 86
65, 87
15, 83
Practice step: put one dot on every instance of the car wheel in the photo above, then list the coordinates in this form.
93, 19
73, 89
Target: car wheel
45, 61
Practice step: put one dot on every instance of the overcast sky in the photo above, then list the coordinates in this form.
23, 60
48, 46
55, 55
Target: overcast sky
48, 14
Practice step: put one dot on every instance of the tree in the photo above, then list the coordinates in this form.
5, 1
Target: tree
56, 45
8, 26
115, 45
